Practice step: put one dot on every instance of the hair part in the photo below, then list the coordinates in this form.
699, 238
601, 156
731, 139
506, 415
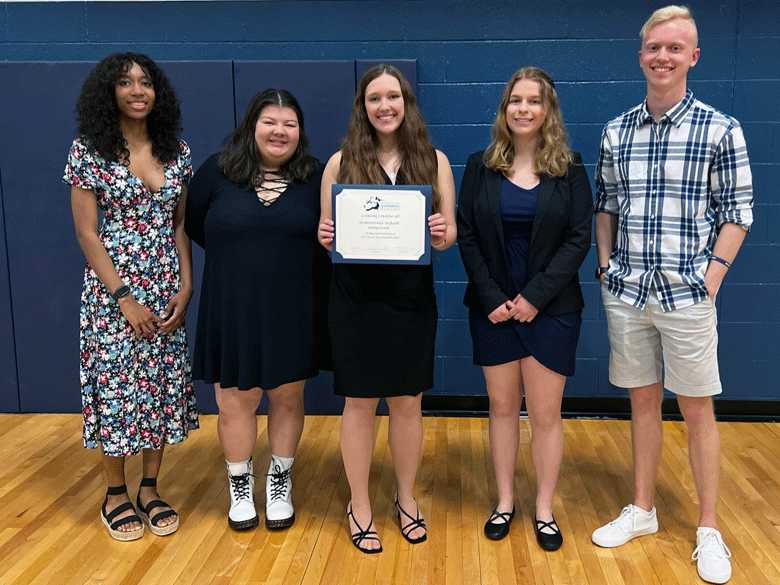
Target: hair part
552, 155
241, 161
359, 162
97, 112
666, 14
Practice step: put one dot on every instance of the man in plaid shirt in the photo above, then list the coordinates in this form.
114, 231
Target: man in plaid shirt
673, 203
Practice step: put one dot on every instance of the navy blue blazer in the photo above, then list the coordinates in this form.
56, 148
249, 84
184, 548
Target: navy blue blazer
560, 239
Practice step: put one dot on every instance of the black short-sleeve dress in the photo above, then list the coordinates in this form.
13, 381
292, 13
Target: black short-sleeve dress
382, 320
257, 302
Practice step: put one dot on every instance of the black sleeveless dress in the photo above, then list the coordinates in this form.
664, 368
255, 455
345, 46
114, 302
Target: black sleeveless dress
382, 320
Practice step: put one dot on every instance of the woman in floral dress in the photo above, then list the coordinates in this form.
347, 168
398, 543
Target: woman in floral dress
135, 371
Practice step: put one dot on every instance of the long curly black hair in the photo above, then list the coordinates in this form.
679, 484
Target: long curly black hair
240, 160
98, 115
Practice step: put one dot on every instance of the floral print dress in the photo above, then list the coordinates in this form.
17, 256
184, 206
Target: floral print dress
136, 393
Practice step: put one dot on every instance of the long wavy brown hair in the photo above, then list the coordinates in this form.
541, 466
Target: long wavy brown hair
553, 154
359, 163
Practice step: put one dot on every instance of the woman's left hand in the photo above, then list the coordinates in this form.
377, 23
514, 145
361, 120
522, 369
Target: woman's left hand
524, 311
438, 226
175, 311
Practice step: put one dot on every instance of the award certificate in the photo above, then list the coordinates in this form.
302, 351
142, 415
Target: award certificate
381, 224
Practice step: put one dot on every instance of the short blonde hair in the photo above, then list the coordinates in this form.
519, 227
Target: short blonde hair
668, 13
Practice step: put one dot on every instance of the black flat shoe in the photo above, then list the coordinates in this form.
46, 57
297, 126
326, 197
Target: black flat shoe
548, 541
498, 530
412, 526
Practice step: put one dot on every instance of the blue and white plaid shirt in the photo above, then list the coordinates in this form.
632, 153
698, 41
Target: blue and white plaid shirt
672, 184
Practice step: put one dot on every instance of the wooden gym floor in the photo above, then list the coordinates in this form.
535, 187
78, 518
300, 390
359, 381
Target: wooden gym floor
51, 490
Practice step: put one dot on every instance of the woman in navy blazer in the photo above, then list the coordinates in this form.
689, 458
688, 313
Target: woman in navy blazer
524, 224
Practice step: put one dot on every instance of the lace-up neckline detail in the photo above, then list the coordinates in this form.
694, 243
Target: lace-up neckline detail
269, 186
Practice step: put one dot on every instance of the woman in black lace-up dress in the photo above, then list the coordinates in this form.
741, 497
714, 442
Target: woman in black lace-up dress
254, 209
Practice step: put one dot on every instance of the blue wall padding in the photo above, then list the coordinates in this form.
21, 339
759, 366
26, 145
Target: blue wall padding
9, 390
207, 118
45, 262
463, 53
324, 89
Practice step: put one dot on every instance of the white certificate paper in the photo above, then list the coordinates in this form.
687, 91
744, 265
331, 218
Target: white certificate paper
376, 224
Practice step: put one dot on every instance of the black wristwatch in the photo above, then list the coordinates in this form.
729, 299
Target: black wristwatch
122, 291
601, 270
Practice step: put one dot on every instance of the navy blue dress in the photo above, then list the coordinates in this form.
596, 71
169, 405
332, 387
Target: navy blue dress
550, 339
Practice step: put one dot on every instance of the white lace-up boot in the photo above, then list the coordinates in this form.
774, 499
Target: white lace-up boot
242, 515
278, 494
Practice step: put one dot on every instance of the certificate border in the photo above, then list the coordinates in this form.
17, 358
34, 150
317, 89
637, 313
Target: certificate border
426, 191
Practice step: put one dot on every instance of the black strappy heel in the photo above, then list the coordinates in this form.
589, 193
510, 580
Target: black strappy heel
361, 535
412, 526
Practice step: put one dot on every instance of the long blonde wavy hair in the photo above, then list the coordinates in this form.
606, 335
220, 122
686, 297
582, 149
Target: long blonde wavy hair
359, 163
552, 155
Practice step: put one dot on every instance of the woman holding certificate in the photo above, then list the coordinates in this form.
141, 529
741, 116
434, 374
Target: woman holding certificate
524, 222
382, 317
254, 209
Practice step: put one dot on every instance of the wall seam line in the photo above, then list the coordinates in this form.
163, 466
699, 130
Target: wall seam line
7, 261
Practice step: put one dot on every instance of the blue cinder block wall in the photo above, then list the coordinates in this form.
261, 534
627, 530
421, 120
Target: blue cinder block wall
465, 50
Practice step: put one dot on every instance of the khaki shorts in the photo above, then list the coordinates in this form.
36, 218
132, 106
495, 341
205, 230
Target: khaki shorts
684, 341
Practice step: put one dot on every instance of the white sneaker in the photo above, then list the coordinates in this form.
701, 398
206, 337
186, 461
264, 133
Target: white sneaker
712, 556
242, 514
631, 523
278, 494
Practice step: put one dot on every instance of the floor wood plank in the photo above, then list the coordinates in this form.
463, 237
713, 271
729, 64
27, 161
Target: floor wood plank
51, 490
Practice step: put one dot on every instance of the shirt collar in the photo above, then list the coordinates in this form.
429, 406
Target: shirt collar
675, 115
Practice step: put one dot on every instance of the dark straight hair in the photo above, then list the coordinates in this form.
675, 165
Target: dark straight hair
240, 160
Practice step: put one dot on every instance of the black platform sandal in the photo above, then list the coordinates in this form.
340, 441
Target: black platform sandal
108, 518
146, 512
361, 535
412, 526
